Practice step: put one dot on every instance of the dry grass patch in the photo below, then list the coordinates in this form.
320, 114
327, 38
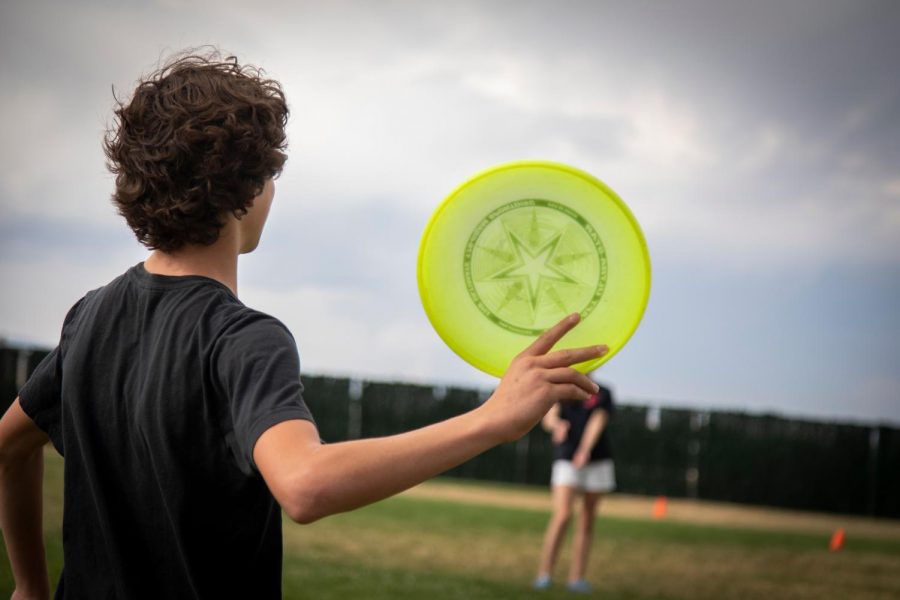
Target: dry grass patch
679, 510
640, 559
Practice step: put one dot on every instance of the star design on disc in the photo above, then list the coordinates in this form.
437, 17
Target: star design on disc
532, 261
531, 268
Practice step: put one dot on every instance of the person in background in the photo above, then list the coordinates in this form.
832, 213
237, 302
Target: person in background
582, 464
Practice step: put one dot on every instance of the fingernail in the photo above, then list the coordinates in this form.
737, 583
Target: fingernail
574, 317
603, 349
596, 387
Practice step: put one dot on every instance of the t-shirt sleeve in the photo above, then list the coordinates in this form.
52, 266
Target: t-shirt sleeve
41, 396
258, 369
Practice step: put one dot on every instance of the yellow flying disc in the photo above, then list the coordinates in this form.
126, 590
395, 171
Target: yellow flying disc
516, 248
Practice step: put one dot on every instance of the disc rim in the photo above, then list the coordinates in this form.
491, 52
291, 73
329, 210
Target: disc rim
424, 295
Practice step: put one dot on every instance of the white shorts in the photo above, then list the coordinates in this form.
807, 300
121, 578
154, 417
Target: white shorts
598, 477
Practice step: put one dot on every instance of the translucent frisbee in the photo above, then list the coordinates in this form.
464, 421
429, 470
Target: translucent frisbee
516, 248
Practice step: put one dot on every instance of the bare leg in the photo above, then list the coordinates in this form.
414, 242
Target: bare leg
562, 509
584, 535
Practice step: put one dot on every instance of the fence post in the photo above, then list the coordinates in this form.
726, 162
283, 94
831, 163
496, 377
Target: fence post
22, 368
692, 472
872, 492
354, 409
522, 447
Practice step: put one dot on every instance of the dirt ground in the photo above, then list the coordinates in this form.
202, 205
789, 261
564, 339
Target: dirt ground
641, 507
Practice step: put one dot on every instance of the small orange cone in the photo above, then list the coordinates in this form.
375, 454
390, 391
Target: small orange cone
837, 540
659, 507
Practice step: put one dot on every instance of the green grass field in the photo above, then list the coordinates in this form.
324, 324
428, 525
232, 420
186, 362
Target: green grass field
414, 547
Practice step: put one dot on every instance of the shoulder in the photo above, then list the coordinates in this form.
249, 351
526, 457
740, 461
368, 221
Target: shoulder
238, 319
94, 299
78, 311
605, 397
243, 332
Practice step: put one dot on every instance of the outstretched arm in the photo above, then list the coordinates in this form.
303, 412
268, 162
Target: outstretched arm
311, 480
21, 508
595, 426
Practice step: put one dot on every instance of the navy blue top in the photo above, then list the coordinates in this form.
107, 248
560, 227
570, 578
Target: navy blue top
577, 414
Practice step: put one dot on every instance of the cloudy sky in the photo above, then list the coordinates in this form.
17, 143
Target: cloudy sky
758, 143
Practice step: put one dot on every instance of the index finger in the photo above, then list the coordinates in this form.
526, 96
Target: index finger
549, 338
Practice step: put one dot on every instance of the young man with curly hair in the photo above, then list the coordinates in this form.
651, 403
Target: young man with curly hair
178, 409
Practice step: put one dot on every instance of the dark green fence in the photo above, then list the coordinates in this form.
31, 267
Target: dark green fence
16, 364
753, 459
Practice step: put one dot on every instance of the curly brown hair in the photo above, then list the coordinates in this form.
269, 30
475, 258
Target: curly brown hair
198, 140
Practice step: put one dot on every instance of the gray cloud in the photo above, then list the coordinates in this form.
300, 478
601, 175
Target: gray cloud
756, 142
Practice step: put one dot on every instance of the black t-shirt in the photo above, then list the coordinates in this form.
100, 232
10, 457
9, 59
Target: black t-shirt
578, 414
156, 395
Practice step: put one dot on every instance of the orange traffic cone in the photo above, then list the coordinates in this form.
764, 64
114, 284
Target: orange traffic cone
837, 540
659, 507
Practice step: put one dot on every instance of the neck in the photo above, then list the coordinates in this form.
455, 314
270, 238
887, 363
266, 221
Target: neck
217, 261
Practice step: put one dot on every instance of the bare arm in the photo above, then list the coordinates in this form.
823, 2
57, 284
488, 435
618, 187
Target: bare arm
555, 425
551, 419
311, 480
21, 507
595, 426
